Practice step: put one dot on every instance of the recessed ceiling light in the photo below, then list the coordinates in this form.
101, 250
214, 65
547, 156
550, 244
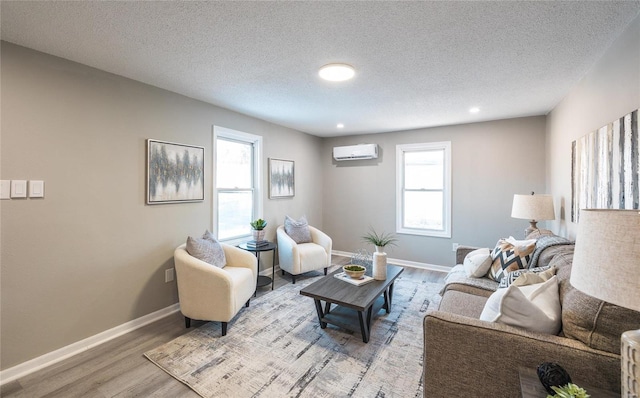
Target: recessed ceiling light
340, 126
337, 72
474, 110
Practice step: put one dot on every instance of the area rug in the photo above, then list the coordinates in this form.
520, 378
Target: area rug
276, 348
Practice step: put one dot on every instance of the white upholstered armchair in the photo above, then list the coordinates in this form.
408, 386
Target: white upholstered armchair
297, 258
209, 293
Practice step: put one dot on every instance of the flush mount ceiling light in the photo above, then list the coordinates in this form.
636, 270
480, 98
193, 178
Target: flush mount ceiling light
474, 110
340, 126
337, 72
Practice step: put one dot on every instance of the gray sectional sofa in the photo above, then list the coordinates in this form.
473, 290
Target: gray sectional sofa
465, 356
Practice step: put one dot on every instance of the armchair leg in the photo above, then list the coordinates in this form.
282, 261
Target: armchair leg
293, 279
224, 328
325, 270
247, 303
187, 322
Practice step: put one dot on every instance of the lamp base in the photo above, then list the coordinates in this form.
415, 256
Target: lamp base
630, 364
533, 226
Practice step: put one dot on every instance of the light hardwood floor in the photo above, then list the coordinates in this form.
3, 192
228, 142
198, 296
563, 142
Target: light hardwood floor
118, 368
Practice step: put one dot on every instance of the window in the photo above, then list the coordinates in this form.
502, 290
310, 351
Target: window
237, 188
423, 191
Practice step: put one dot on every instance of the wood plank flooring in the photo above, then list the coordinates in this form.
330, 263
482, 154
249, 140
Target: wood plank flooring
118, 368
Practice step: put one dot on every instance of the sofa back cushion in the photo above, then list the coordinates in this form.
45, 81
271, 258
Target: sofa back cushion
594, 322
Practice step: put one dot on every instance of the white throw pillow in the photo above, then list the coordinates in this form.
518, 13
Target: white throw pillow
477, 263
533, 307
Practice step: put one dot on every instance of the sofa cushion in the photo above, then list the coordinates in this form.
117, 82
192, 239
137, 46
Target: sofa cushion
298, 230
534, 307
512, 276
477, 263
509, 255
207, 249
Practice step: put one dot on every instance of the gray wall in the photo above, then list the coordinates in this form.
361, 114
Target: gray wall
491, 162
91, 255
609, 91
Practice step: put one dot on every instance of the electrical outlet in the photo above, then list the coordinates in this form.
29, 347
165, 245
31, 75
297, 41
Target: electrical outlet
455, 246
168, 275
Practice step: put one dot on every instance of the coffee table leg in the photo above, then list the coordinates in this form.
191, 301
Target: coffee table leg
364, 327
387, 301
327, 307
320, 313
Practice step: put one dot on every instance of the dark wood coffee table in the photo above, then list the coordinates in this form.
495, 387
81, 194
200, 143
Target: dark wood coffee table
365, 300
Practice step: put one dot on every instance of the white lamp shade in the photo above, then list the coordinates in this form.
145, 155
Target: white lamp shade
606, 262
533, 207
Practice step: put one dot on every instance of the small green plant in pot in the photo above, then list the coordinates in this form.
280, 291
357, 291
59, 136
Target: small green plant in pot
258, 224
379, 240
258, 229
569, 391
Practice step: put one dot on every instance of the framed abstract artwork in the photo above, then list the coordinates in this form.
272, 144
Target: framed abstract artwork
604, 167
281, 179
175, 172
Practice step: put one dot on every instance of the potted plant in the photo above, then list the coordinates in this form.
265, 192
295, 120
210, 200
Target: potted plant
379, 263
380, 240
258, 229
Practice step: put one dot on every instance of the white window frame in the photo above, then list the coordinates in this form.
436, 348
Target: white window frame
256, 141
446, 215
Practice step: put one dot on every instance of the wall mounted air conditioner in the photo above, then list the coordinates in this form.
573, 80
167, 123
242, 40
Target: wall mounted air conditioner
355, 152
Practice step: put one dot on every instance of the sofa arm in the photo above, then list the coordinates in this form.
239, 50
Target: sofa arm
462, 251
468, 357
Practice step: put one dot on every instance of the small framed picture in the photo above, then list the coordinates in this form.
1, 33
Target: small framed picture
175, 172
282, 182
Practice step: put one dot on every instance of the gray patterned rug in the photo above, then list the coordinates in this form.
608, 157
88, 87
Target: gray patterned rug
275, 348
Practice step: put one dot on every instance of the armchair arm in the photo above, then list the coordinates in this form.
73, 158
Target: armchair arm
481, 359
323, 240
288, 257
237, 257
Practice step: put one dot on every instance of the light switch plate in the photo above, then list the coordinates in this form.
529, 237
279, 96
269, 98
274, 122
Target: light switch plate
5, 189
36, 189
18, 188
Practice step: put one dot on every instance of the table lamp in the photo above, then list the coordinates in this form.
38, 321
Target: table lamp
598, 257
533, 208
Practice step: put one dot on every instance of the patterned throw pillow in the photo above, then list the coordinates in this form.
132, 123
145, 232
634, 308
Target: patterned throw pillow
207, 249
509, 255
297, 230
512, 276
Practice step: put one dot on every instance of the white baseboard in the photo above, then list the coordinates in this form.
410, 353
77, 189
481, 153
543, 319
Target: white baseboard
60, 354
405, 263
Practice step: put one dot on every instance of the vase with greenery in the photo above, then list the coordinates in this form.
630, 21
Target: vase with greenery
258, 229
379, 240
379, 263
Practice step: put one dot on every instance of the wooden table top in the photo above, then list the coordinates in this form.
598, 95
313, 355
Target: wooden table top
345, 294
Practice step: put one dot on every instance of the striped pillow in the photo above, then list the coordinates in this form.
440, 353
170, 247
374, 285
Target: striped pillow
510, 255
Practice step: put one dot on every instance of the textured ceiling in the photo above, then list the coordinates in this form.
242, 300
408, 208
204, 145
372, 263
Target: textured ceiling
418, 64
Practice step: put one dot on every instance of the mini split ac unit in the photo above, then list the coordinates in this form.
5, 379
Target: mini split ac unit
355, 152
